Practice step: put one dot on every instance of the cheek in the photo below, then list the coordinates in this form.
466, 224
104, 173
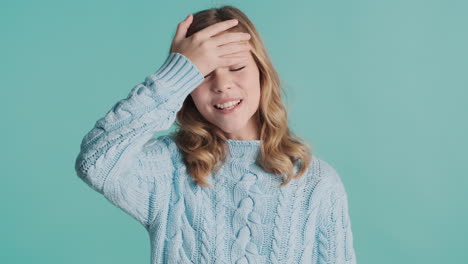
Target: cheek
201, 102
257, 101
197, 96
253, 89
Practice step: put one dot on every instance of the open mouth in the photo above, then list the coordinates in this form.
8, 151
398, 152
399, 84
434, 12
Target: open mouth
229, 108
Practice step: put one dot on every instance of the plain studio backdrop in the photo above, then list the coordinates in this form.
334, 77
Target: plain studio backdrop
379, 88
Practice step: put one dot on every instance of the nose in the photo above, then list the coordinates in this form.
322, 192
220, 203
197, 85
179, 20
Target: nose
221, 82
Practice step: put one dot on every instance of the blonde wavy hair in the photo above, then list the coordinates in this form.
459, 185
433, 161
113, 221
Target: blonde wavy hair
203, 145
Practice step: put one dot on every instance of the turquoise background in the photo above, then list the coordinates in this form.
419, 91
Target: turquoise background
378, 88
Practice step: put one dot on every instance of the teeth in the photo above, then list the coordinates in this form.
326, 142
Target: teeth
228, 104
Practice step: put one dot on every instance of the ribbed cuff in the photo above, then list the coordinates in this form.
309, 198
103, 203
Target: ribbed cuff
175, 79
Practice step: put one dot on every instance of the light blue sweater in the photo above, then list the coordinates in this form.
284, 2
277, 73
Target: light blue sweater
244, 218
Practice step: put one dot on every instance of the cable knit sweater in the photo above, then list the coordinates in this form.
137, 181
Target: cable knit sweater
244, 218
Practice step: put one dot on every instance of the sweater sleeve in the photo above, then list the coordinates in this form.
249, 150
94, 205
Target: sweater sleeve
335, 238
119, 158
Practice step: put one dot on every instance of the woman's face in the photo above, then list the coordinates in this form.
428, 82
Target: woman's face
231, 84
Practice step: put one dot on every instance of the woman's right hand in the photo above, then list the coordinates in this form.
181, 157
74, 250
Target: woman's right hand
208, 49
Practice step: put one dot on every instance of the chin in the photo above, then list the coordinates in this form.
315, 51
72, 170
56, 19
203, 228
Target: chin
232, 127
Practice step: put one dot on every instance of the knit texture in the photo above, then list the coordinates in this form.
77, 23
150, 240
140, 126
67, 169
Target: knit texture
244, 218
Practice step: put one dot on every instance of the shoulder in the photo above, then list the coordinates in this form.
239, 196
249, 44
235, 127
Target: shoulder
329, 174
321, 170
328, 182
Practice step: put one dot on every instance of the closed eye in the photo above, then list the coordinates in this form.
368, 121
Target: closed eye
238, 69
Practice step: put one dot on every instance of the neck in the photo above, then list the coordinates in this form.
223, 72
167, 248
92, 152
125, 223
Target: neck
250, 132
246, 149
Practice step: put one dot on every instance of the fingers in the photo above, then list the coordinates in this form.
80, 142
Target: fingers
183, 27
233, 59
234, 48
217, 28
229, 37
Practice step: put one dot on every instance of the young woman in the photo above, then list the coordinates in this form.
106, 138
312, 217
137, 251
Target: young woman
232, 184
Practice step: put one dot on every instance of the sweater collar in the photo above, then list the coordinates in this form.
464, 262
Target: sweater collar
246, 149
